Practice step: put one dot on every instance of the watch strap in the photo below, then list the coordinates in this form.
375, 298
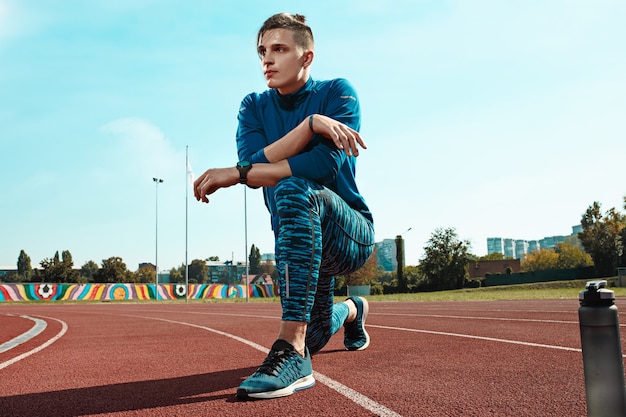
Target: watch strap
243, 167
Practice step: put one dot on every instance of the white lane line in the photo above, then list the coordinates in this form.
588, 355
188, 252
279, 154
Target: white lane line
38, 327
469, 336
357, 397
208, 313
443, 316
360, 399
40, 347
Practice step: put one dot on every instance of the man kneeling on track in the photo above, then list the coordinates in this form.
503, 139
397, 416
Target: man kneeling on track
299, 141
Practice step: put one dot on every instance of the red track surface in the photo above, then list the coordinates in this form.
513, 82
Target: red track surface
515, 358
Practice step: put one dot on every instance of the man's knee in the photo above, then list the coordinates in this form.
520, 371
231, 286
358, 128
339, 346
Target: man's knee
289, 186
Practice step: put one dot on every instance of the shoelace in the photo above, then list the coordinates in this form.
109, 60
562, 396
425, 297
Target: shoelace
275, 361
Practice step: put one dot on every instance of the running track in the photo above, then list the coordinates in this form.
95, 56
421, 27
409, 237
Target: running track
505, 358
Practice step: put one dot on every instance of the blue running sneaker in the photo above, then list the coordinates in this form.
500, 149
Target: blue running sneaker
355, 337
282, 373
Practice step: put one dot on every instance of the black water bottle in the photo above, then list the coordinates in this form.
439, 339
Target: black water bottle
602, 351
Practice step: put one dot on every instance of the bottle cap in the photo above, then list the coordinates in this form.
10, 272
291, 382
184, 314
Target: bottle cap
596, 294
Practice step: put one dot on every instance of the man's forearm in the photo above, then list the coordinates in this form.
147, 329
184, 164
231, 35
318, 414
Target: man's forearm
267, 175
289, 145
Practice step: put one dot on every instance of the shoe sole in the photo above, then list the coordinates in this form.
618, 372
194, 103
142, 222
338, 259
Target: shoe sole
366, 309
299, 385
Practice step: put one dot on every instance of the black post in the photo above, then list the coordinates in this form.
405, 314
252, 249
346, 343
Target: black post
402, 285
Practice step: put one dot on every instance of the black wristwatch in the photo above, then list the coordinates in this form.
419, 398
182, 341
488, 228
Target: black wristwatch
243, 167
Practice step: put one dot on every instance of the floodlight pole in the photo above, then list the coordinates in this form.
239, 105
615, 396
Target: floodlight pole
187, 173
157, 181
245, 222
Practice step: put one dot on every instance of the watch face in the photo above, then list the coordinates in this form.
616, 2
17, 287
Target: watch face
244, 164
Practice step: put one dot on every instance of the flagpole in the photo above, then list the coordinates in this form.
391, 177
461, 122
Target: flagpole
245, 216
187, 173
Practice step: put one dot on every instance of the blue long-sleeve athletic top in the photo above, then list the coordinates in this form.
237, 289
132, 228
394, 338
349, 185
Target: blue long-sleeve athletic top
266, 117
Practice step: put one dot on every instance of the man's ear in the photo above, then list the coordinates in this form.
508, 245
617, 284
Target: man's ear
308, 58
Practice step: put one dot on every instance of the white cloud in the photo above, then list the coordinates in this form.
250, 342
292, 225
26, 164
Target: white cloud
18, 19
6, 15
143, 146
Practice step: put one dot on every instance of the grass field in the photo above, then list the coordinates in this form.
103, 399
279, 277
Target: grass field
536, 291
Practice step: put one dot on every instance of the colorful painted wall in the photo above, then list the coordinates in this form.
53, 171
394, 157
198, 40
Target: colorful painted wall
102, 292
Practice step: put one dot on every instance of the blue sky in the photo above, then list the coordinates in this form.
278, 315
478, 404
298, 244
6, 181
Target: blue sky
495, 118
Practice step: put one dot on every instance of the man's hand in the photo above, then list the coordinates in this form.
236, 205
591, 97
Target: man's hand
212, 180
343, 136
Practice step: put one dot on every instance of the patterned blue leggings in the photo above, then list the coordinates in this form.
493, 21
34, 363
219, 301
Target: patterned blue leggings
319, 236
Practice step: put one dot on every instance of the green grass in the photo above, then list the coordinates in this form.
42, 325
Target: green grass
536, 291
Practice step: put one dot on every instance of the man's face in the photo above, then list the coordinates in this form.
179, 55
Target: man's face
285, 65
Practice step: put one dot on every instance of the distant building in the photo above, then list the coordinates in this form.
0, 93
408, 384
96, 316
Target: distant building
147, 265
509, 248
6, 270
533, 245
225, 272
264, 279
268, 257
495, 245
551, 241
164, 277
521, 248
386, 254
516, 249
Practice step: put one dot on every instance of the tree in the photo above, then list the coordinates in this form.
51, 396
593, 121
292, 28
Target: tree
58, 269
603, 238
146, 274
198, 271
48, 271
113, 270
495, 256
178, 274
571, 257
24, 269
623, 239
254, 261
575, 242
413, 276
69, 274
366, 274
445, 260
268, 267
539, 260
89, 270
